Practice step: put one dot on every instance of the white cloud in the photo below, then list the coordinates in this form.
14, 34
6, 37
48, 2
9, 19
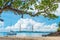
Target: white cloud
49, 28
26, 24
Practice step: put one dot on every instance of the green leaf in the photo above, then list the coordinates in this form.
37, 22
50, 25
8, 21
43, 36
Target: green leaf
17, 3
1, 4
31, 8
52, 16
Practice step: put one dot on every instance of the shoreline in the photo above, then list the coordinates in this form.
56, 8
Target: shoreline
31, 38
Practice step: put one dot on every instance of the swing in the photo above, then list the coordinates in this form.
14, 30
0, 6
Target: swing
1, 19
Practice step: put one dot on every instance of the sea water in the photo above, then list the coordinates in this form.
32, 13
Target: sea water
24, 34
31, 34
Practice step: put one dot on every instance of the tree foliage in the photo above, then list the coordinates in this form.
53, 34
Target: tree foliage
59, 27
22, 6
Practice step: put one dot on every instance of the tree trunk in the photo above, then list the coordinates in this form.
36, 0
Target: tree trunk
32, 28
20, 28
22, 15
1, 10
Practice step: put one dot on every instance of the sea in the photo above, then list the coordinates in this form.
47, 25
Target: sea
24, 34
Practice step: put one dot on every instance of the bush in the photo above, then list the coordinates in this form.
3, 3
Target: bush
59, 29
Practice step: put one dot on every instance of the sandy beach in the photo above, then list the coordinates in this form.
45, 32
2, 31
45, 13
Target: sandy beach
30, 38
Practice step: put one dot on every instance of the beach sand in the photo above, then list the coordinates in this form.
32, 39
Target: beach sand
30, 38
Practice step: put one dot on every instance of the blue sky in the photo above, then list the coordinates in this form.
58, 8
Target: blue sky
10, 18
